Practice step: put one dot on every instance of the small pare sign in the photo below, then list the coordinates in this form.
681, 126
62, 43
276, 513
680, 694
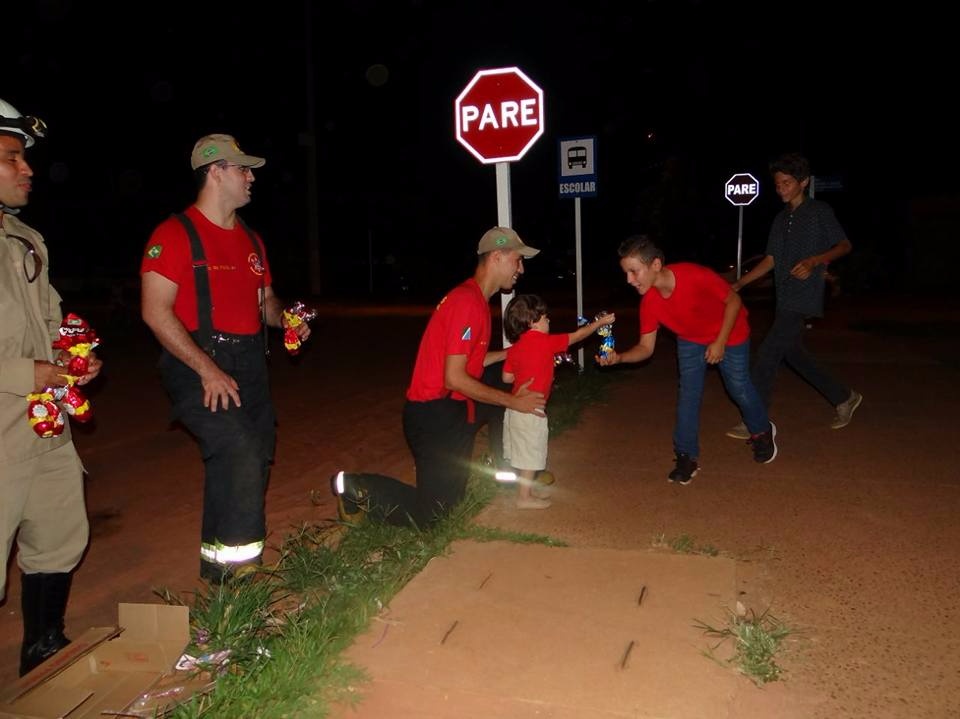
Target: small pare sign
741, 189
744, 188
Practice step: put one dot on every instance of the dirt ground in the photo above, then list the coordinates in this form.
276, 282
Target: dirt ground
850, 537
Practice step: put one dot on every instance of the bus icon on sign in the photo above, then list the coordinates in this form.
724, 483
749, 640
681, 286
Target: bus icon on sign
576, 156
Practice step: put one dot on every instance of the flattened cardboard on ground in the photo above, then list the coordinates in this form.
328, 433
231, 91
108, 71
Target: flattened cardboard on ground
125, 670
498, 629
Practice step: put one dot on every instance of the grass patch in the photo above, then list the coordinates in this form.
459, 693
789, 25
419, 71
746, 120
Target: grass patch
757, 639
492, 534
685, 544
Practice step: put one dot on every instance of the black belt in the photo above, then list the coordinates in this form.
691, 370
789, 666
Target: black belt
226, 338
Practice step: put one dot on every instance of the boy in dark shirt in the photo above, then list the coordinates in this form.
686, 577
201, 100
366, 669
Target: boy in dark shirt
804, 238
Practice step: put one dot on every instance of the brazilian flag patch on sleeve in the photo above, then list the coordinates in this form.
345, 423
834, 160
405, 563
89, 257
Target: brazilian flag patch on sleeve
154, 251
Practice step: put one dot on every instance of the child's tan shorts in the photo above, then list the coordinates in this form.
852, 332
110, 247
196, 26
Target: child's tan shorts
525, 438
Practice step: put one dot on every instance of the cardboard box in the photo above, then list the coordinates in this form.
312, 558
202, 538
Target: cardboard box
127, 670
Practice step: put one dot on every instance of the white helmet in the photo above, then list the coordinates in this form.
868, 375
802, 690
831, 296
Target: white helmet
13, 122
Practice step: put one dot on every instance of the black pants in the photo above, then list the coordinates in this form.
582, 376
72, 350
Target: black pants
441, 439
237, 446
784, 342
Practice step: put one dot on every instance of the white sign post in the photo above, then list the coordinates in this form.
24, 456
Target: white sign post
741, 190
578, 178
498, 116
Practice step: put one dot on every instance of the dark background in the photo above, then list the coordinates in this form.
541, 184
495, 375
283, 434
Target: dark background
680, 94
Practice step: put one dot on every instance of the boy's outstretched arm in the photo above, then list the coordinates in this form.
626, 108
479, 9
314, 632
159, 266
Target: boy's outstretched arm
762, 268
638, 353
588, 329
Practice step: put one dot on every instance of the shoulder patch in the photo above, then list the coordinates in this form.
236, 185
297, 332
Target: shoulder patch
467, 334
154, 251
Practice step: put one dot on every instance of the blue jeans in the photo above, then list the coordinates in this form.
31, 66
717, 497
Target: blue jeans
735, 370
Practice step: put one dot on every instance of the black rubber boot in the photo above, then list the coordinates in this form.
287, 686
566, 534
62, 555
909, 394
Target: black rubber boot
43, 598
213, 572
367, 494
225, 574
351, 497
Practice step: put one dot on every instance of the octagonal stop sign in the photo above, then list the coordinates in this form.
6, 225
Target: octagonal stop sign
499, 115
741, 189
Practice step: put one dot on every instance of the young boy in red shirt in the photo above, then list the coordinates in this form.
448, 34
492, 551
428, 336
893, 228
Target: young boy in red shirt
531, 359
710, 323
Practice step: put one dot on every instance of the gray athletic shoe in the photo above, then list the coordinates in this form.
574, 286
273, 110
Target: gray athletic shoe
739, 432
846, 409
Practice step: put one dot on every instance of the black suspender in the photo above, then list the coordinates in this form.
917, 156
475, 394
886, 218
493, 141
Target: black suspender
202, 280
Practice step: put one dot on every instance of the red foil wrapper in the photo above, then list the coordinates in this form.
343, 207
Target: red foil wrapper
73, 331
75, 404
44, 415
293, 317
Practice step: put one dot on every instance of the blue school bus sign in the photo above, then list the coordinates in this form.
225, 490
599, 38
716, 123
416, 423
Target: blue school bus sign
578, 167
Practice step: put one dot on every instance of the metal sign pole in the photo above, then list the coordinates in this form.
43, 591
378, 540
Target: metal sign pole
504, 219
739, 241
740, 190
578, 231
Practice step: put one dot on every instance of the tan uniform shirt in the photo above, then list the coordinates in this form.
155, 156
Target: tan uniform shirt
30, 318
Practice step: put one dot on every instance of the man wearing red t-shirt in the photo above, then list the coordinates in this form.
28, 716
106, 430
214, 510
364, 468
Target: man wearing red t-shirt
530, 362
439, 414
207, 295
710, 323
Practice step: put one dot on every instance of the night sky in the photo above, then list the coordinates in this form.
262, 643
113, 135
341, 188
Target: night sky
680, 94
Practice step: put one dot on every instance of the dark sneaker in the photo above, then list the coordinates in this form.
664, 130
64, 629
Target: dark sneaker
739, 431
685, 469
351, 499
846, 409
764, 445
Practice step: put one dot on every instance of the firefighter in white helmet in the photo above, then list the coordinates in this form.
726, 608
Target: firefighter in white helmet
41, 479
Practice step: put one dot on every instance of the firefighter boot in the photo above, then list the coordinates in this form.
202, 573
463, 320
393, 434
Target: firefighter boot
351, 497
362, 495
43, 598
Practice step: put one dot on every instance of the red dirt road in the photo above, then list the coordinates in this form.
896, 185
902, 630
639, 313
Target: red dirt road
850, 536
